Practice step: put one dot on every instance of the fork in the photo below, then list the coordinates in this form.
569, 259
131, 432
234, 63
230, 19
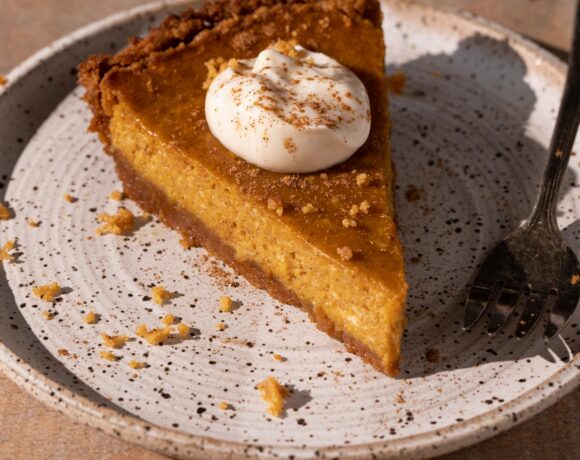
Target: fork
533, 269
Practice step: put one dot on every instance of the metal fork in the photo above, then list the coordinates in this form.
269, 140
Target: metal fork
533, 267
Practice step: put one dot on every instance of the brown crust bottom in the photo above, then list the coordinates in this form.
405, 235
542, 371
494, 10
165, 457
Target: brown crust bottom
154, 201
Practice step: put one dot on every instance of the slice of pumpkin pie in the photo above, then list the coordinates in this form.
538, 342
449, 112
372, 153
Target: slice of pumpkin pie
259, 130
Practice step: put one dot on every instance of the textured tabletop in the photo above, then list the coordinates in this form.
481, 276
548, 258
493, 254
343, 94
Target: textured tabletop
29, 430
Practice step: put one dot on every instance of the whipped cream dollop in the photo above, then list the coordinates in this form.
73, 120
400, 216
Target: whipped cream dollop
289, 110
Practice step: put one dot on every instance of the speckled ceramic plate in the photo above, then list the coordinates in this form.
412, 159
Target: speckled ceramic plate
469, 139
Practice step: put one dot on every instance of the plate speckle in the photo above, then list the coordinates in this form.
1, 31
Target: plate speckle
470, 133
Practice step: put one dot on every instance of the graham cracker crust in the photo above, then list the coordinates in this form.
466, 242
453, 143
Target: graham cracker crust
154, 201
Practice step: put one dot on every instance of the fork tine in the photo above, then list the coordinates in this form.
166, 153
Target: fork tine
531, 314
503, 308
561, 313
476, 303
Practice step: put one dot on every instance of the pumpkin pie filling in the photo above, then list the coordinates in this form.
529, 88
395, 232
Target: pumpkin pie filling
324, 241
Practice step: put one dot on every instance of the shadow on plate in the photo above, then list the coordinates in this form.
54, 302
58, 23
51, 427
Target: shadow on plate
468, 172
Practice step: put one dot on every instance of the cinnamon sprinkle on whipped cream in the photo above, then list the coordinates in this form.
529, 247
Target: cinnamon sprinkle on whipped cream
289, 110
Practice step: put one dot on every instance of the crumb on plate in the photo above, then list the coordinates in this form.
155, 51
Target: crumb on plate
160, 295
5, 251
274, 394
108, 356
134, 364
47, 292
5, 213
114, 341
168, 319
91, 318
226, 304
116, 224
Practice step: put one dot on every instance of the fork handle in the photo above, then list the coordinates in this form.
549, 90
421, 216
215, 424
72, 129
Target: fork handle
562, 138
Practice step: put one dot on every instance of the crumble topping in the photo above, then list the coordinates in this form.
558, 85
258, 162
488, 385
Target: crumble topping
47, 292
276, 204
287, 47
290, 146
4, 251
117, 195
345, 253
226, 304
5, 213
274, 394
91, 318
114, 341
215, 66
117, 224
108, 356
309, 209
160, 295
348, 223
361, 179
364, 207
396, 83
354, 209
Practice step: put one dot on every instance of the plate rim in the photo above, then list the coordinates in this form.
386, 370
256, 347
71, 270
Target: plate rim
135, 430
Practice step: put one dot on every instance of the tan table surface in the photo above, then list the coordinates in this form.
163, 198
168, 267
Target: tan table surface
29, 430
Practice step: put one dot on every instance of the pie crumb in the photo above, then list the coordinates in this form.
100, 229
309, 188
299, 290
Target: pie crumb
114, 341
47, 292
226, 304
117, 195
278, 357
108, 356
69, 198
5, 213
154, 336
160, 295
168, 319
32, 223
348, 223
220, 326
345, 253
575, 280
224, 405
182, 330
3, 80
4, 251
63, 352
308, 209
215, 66
354, 210
91, 318
134, 364
117, 224
364, 207
275, 204
48, 315
361, 179
274, 394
